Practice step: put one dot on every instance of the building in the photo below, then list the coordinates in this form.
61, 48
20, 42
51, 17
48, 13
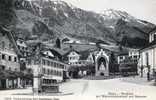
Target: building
98, 58
75, 58
134, 54
147, 60
47, 69
23, 47
121, 57
9, 60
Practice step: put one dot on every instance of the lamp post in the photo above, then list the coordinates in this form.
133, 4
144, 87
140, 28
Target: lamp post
148, 73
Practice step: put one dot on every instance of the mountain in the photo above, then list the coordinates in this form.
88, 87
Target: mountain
48, 20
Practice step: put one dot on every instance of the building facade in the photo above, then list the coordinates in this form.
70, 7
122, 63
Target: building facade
48, 72
9, 60
121, 57
76, 58
147, 59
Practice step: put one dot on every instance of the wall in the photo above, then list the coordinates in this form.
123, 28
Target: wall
151, 60
6, 48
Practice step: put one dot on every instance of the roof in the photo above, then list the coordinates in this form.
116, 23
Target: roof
150, 45
12, 39
153, 43
153, 30
71, 50
21, 42
84, 55
123, 54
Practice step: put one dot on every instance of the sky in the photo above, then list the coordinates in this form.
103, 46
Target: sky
141, 9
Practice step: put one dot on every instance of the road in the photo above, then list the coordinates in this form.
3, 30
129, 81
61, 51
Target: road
98, 88
120, 87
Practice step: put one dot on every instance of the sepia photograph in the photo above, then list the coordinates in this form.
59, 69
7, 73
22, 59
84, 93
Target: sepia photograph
77, 49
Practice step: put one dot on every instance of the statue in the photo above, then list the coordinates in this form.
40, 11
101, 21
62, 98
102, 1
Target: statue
102, 67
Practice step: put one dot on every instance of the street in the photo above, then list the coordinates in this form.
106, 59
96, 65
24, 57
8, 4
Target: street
112, 87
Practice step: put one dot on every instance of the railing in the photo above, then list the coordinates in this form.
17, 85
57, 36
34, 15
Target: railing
50, 84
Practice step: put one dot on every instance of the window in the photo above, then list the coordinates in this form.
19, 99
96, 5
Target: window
15, 59
154, 36
3, 44
9, 68
9, 58
3, 34
3, 67
10, 46
43, 70
21, 42
52, 64
43, 62
3, 56
121, 57
135, 56
48, 71
48, 63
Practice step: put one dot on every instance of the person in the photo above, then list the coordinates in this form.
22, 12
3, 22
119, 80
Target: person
148, 76
141, 71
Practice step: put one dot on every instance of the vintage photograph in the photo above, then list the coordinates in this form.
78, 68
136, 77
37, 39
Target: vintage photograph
77, 49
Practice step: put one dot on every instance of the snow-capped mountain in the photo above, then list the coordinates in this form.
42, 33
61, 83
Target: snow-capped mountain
50, 19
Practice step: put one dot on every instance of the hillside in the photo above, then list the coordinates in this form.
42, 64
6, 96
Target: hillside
47, 20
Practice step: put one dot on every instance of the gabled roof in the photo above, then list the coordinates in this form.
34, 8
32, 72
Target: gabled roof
150, 45
153, 43
84, 55
12, 39
153, 30
123, 54
71, 50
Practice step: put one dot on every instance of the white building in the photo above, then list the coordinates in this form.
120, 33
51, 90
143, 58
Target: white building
79, 58
48, 70
148, 53
134, 54
121, 57
22, 47
9, 60
73, 57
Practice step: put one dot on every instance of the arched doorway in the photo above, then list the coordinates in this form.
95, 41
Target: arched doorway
102, 63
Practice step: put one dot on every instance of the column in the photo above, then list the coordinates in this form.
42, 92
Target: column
36, 85
7, 83
96, 69
154, 58
18, 82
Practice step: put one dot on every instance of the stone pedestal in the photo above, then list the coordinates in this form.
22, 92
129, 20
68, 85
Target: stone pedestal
102, 73
36, 85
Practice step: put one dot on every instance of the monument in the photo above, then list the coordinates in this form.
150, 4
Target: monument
102, 63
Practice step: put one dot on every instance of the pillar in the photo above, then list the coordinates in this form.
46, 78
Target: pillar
36, 85
18, 82
7, 83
